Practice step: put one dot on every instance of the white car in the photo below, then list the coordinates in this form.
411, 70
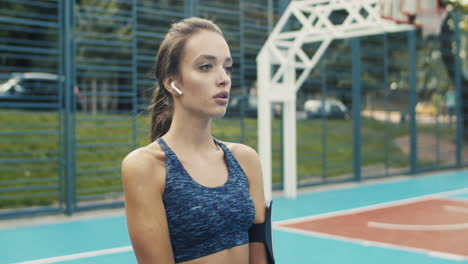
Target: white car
328, 108
33, 90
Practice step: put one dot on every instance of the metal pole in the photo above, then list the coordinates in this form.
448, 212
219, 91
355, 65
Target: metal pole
190, 8
72, 63
60, 110
282, 5
437, 138
290, 135
458, 92
387, 92
270, 15
412, 103
134, 73
324, 120
68, 39
281, 146
242, 68
264, 120
356, 71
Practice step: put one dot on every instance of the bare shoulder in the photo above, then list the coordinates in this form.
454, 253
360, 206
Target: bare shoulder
243, 153
247, 158
144, 158
144, 164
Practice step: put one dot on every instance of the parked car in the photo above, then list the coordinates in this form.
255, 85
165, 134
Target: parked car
33, 90
329, 108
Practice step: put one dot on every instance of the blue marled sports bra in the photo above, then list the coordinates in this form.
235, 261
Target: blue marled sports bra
204, 220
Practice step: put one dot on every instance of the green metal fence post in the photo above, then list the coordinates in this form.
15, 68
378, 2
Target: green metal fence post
324, 120
282, 5
134, 73
458, 92
270, 15
356, 73
281, 147
68, 40
412, 102
61, 70
72, 61
386, 100
243, 88
190, 8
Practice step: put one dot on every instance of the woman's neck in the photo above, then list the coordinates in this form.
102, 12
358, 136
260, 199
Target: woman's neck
191, 134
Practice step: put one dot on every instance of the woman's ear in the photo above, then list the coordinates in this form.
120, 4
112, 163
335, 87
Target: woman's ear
167, 84
171, 87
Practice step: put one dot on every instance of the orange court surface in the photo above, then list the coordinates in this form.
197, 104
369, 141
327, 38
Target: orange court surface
437, 226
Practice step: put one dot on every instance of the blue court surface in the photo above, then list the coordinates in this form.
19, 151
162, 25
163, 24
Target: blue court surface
105, 240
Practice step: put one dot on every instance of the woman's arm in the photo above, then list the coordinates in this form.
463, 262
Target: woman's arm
250, 163
146, 217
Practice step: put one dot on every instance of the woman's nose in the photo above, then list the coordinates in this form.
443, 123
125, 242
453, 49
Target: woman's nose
224, 78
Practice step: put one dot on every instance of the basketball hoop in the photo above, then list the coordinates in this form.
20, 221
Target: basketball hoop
425, 14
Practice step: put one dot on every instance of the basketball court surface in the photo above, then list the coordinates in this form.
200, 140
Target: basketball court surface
421, 219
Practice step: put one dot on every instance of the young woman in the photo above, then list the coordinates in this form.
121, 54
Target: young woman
189, 197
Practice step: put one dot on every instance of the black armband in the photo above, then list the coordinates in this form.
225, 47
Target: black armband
262, 233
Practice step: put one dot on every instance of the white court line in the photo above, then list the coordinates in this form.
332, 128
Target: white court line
435, 254
418, 227
446, 227
455, 199
88, 254
369, 207
457, 209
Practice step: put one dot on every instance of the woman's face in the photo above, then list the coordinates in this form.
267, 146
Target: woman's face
205, 75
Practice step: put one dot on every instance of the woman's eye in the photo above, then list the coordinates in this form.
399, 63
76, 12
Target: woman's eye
229, 69
206, 67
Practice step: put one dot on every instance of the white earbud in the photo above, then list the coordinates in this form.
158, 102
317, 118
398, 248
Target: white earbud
177, 90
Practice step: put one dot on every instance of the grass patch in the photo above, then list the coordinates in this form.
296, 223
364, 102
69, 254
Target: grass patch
32, 151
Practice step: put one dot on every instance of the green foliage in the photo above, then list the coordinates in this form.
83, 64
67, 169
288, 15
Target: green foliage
461, 5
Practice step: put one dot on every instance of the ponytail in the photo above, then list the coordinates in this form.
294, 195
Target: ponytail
161, 112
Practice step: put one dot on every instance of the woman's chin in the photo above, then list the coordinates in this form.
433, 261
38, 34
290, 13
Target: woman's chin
218, 114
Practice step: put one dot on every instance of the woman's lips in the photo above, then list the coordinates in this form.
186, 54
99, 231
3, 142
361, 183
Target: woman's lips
221, 101
222, 98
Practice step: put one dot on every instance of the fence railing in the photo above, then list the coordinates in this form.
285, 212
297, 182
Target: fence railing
76, 80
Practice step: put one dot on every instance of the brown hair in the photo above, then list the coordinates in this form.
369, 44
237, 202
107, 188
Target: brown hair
168, 64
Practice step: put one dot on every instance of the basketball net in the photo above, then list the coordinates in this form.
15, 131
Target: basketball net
425, 14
